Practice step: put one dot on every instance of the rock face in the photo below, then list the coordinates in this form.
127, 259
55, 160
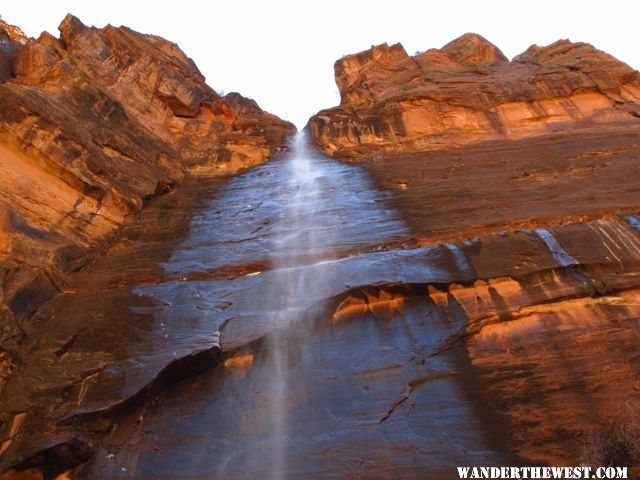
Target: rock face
10, 38
92, 124
476, 304
411, 353
527, 172
469, 91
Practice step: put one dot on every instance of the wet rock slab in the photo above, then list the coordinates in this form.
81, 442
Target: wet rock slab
396, 353
363, 400
93, 348
423, 378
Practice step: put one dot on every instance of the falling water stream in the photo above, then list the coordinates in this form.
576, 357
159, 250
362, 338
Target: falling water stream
290, 253
307, 238
302, 395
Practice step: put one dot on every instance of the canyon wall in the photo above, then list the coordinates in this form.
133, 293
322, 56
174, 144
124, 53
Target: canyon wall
483, 309
469, 91
92, 125
485, 155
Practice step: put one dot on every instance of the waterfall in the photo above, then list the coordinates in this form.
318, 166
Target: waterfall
305, 239
303, 225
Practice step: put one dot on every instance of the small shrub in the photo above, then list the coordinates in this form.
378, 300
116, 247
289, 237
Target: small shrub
593, 288
618, 443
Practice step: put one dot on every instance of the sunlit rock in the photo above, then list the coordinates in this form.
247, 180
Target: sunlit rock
92, 125
468, 91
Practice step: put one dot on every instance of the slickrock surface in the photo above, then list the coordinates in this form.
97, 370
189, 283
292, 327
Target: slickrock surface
406, 360
469, 91
495, 186
92, 125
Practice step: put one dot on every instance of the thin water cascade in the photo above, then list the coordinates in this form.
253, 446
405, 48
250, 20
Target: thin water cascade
305, 238
300, 395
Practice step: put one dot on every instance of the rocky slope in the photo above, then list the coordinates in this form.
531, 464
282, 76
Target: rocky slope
92, 125
469, 91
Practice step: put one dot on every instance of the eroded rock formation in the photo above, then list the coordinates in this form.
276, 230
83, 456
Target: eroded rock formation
469, 91
92, 124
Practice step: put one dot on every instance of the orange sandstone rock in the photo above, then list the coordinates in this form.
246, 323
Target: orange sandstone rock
469, 91
92, 124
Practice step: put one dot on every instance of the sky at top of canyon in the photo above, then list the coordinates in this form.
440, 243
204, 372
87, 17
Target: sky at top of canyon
281, 53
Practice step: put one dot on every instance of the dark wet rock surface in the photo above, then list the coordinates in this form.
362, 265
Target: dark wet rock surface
401, 360
363, 401
88, 350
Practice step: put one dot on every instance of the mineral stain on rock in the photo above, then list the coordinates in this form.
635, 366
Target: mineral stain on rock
449, 277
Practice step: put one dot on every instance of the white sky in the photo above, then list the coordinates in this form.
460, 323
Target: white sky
281, 53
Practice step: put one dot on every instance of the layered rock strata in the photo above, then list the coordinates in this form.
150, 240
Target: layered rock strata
469, 91
515, 322
92, 125
508, 159
500, 328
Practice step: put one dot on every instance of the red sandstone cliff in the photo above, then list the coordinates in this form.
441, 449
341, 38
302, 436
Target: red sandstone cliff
91, 125
525, 299
469, 91
490, 154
